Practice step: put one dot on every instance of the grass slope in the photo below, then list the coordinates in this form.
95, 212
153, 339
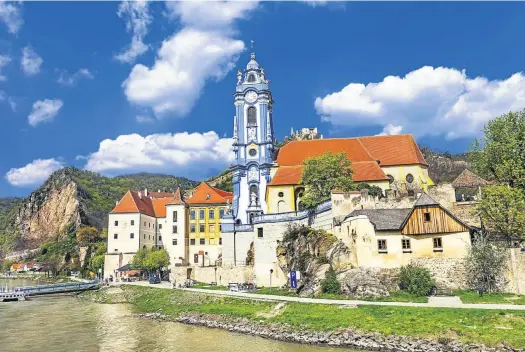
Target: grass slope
490, 327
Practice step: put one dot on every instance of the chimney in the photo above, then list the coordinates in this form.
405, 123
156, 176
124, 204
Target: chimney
140, 194
158, 191
116, 203
145, 192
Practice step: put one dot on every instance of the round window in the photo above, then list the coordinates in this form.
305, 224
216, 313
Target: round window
390, 178
252, 152
281, 194
410, 178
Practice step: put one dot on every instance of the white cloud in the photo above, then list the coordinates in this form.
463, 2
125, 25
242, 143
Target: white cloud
185, 154
138, 18
427, 101
31, 61
391, 130
144, 119
44, 111
211, 14
33, 173
67, 79
204, 49
10, 14
4, 60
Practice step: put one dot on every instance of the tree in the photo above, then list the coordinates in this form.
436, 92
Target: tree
139, 260
500, 155
87, 235
323, 174
502, 209
156, 259
374, 191
96, 262
485, 265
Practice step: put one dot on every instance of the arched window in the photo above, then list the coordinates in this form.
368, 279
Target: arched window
251, 78
252, 116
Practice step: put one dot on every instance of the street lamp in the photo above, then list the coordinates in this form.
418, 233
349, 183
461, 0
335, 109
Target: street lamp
271, 272
216, 274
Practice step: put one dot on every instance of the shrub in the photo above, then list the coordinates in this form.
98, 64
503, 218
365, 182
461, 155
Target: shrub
304, 259
323, 260
416, 280
330, 284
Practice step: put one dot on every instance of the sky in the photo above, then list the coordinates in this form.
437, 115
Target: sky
124, 87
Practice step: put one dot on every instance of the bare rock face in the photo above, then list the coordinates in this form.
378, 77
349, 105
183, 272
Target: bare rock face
49, 211
312, 287
362, 283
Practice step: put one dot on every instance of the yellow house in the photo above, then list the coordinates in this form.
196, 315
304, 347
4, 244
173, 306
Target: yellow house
384, 161
388, 238
206, 207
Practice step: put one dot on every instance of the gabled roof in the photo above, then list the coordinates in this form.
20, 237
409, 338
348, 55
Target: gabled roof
132, 202
177, 198
469, 179
384, 219
388, 150
425, 200
363, 171
206, 194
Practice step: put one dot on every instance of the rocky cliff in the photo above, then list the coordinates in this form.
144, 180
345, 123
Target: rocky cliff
68, 199
444, 167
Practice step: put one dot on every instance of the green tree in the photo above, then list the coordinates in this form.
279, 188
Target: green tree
374, 191
323, 174
156, 259
87, 235
96, 262
502, 209
486, 264
500, 154
330, 284
139, 260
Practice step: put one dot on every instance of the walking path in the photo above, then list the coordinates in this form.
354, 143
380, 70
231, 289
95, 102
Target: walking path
433, 302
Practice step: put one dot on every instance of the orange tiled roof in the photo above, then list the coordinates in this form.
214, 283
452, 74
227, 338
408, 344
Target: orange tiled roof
389, 150
206, 194
363, 171
126, 204
17, 266
394, 150
159, 206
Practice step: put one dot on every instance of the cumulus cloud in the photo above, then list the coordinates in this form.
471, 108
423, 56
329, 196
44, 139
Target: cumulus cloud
44, 111
391, 130
4, 60
427, 101
34, 173
11, 16
204, 49
70, 80
138, 18
31, 61
186, 154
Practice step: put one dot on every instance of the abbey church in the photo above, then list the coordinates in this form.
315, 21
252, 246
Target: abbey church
239, 232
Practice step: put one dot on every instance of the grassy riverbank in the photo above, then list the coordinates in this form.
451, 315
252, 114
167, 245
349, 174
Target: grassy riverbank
491, 298
490, 327
398, 296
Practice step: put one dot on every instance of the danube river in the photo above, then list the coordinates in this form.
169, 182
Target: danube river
66, 323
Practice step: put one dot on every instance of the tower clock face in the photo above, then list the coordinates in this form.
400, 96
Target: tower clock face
251, 97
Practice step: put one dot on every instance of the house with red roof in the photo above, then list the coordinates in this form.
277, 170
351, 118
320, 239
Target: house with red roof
384, 161
188, 229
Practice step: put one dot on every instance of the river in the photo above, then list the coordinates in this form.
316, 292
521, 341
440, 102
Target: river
66, 323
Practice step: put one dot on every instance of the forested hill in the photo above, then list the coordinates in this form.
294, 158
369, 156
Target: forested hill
70, 198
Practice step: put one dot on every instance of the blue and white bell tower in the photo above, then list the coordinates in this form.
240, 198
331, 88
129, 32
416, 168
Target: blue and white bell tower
253, 143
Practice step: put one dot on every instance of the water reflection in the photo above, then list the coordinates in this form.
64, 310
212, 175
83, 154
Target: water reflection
65, 323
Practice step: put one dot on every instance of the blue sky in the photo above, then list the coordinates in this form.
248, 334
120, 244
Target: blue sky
124, 87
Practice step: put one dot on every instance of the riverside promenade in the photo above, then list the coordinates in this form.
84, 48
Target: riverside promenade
433, 302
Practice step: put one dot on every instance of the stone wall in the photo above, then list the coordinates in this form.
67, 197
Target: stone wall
516, 272
220, 274
448, 272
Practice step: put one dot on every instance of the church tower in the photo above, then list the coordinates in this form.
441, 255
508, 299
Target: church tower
253, 142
